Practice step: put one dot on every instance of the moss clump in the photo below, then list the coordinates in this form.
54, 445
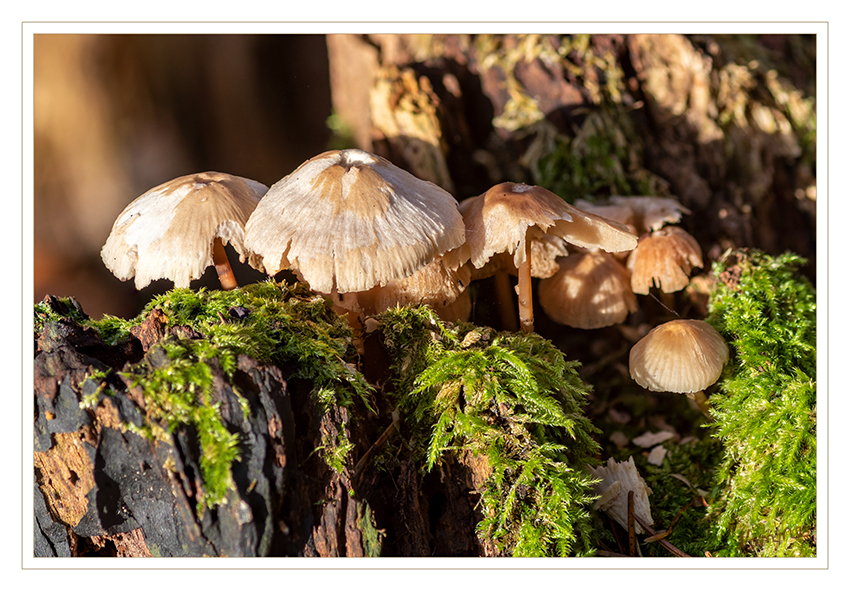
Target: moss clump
176, 381
287, 325
51, 309
765, 414
513, 400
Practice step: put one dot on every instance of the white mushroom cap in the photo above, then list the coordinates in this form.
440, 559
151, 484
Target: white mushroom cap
433, 284
664, 258
168, 232
348, 220
508, 214
683, 356
618, 478
591, 290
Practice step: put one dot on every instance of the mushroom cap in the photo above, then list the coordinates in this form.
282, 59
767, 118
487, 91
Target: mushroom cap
508, 214
545, 251
683, 356
619, 212
168, 232
433, 284
348, 220
591, 290
664, 257
617, 479
652, 213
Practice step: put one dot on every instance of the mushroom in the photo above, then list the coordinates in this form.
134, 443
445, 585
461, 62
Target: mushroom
619, 212
616, 480
179, 228
652, 213
664, 258
591, 290
347, 221
510, 216
683, 356
433, 284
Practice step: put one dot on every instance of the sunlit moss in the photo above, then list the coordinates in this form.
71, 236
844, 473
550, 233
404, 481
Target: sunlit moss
510, 399
283, 324
766, 411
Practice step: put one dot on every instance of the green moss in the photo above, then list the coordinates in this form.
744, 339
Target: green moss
466, 392
334, 451
371, 536
765, 414
52, 308
286, 325
176, 381
604, 158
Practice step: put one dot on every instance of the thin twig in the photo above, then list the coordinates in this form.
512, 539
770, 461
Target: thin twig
692, 503
673, 549
632, 543
361, 463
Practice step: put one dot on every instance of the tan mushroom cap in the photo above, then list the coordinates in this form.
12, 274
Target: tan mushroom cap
348, 220
664, 258
545, 251
168, 232
591, 290
652, 213
683, 356
618, 212
509, 214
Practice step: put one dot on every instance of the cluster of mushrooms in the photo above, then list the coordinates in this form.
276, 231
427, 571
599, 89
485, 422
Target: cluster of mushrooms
371, 236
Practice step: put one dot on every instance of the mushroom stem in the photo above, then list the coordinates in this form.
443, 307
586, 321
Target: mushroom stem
526, 313
702, 401
222, 266
351, 310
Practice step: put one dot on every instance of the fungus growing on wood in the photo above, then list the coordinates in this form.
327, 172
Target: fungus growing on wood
347, 220
664, 258
591, 290
509, 216
179, 228
683, 356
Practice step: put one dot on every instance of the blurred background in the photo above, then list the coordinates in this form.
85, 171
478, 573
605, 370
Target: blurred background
116, 115
726, 124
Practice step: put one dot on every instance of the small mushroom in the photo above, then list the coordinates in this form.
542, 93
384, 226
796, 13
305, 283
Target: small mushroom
179, 228
509, 216
591, 290
652, 213
619, 212
683, 356
347, 220
664, 258
617, 479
